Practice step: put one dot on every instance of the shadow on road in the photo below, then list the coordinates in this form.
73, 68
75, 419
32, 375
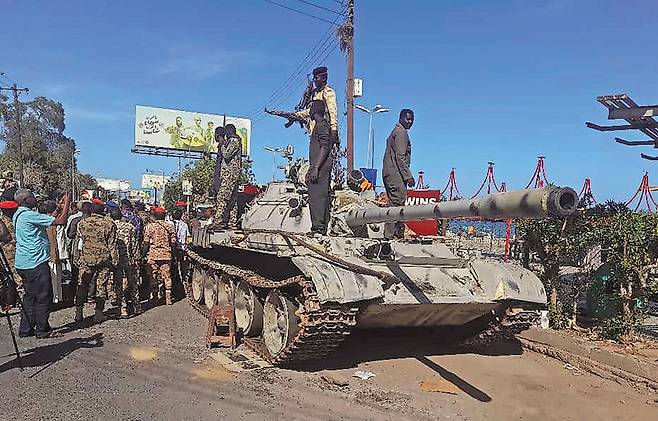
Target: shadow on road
462, 384
419, 343
47, 355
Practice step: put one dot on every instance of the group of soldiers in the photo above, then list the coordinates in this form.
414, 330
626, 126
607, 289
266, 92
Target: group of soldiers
226, 178
111, 248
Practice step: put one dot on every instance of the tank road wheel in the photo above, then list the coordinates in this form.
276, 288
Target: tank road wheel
197, 285
280, 323
248, 309
209, 290
223, 288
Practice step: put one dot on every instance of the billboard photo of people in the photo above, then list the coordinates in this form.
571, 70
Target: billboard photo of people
185, 130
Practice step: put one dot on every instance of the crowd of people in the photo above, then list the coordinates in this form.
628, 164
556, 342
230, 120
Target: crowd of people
112, 253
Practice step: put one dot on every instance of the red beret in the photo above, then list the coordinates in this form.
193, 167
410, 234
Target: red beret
158, 210
181, 203
97, 201
8, 204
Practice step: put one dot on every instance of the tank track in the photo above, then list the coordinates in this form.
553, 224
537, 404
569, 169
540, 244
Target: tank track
322, 327
502, 330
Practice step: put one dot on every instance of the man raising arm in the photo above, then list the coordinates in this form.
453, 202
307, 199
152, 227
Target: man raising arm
32, 254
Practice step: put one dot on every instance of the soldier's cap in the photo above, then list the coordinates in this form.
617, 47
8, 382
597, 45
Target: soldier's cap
320, 71
158, 209
97, 201
8, 204
181, 203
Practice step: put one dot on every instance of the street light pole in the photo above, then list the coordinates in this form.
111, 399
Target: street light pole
274, 152
370, 150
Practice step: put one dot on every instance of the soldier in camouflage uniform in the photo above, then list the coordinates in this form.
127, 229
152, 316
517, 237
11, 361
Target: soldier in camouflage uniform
129, 215
143, 214
8, 208
159, 239
126, 271
231, 170
98, 258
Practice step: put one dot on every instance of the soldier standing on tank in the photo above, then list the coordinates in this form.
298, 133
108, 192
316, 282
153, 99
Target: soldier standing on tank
126, 271
231, 171
319, 174
159, 238
325, 93
397, 173
98, 258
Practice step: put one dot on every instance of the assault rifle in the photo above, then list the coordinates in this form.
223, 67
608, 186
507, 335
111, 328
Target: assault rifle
307, 96
291, 117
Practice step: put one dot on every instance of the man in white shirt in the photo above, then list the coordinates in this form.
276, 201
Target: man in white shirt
182, 239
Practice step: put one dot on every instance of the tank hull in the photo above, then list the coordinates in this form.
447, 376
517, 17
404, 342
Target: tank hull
426, 285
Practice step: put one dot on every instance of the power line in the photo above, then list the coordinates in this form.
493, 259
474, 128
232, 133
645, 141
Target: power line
298, 77
299, 81
314, 52
321, 7
300, 12
17, 114
262, 115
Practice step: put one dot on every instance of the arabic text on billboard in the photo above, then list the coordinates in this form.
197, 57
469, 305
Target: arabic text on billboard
184, 130
111, 184
150, 181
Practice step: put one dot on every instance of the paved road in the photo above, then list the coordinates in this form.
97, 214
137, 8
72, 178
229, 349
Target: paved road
155, 367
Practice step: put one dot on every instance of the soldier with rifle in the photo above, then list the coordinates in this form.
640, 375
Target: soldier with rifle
321, 92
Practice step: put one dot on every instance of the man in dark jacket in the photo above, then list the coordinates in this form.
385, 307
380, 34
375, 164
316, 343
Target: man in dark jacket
397, 173
319, 175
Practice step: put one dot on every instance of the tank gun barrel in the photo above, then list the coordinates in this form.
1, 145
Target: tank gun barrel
552, 201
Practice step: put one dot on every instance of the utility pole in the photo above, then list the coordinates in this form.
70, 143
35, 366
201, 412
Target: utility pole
350, 88
17, 111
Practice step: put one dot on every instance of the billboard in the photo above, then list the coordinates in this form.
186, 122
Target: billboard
184, 130
113, 185
154, 181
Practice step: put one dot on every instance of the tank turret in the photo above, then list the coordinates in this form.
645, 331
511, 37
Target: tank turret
552, 201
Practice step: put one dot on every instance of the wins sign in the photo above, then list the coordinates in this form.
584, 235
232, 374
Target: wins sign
423, 197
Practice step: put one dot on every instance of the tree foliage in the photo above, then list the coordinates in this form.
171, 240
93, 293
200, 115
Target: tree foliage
629, 244
48, 154
200, 173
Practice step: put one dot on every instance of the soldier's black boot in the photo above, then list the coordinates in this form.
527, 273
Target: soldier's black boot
99, 316
79, 316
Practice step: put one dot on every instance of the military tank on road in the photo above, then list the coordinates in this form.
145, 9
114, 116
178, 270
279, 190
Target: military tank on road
296, 298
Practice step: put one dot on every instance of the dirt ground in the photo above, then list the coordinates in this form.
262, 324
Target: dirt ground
156, 367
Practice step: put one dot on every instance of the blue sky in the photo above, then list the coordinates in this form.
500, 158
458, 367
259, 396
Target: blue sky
500, 81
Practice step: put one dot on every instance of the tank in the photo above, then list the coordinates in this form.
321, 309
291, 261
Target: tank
297, 298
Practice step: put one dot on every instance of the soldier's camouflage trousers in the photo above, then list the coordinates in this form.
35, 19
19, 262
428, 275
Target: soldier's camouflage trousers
159, 271
126, 276
101, 277
226, 206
